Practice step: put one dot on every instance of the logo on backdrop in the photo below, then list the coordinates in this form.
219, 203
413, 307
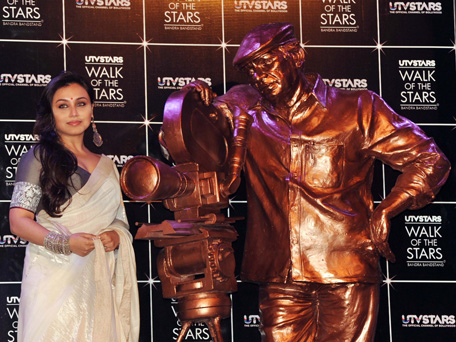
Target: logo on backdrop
428, 321
415, 7
339, 16
16, 145
260, 6
167, 82
21, 13
12, 241
251, 321
24, 80
347, 83
183, 15
119, 160
425, 233
104, 4
418, 77
105, 72
11, 315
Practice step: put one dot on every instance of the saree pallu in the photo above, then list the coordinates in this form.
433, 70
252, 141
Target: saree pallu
82, 299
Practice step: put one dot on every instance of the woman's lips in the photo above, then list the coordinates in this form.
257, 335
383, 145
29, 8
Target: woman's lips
74, 123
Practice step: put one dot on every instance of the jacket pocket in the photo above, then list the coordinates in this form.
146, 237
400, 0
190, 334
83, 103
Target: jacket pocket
324, 165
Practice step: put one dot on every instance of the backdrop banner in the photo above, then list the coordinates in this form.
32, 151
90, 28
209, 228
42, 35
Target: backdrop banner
137, 52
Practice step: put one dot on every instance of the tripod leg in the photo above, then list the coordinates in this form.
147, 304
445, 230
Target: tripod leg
214, 328
185, 326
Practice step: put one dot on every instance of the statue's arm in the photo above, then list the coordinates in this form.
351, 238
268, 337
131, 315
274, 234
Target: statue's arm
401, 144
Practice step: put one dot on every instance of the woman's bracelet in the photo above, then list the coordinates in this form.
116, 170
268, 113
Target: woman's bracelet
57, 243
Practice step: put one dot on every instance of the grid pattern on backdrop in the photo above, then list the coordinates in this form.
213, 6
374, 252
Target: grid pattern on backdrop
137, 52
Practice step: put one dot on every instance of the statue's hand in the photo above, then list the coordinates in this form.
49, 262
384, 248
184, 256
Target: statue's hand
206, 93
379, 228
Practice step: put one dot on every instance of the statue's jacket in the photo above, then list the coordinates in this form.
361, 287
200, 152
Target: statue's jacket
309, 181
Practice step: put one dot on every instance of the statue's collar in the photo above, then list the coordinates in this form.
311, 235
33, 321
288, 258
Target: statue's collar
304, 98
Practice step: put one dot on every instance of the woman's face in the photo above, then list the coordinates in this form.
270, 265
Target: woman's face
72, 110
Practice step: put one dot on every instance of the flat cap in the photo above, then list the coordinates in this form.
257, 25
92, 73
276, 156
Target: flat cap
262, 39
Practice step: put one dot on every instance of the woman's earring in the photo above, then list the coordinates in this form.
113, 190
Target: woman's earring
97, 140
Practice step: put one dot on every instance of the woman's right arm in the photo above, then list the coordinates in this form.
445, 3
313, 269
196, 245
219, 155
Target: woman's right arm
23, 224
25, 199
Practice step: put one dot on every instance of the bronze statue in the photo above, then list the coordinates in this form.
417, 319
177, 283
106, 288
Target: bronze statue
313, 237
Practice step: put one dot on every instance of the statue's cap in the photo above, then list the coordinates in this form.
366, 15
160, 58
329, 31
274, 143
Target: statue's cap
262, 39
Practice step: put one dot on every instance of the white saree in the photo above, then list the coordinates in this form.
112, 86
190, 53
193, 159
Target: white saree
83, 299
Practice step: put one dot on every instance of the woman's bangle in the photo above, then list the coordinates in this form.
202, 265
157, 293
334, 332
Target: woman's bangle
57, 243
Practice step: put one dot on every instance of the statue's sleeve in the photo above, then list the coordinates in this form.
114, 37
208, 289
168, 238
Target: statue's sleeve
401, 144
242, 96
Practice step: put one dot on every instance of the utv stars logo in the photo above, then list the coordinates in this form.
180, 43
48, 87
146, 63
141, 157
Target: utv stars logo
12, 241
168, 82
261, 6
428, 321
347, 83
106, 74
103, 4
24, 80
419, 82
251, 321
415, 7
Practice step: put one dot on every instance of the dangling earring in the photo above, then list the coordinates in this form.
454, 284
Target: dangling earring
97, 140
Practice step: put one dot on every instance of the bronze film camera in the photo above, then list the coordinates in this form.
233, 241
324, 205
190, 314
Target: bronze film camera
196, 264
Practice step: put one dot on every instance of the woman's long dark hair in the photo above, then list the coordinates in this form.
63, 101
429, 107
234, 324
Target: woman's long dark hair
58, 163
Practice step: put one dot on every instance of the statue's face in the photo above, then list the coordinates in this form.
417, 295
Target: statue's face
273, 75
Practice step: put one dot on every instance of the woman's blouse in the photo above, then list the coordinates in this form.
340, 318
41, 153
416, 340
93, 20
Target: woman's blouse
27, 192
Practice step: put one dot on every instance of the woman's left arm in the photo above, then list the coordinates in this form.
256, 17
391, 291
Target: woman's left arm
110, 237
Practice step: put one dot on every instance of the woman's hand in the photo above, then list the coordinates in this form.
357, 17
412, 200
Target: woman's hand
82, 243
110, 240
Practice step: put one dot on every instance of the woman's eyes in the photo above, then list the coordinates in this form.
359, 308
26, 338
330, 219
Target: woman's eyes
79, 104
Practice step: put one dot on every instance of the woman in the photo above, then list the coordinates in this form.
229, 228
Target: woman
79, 278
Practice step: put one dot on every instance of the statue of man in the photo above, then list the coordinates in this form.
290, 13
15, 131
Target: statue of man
313, 236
